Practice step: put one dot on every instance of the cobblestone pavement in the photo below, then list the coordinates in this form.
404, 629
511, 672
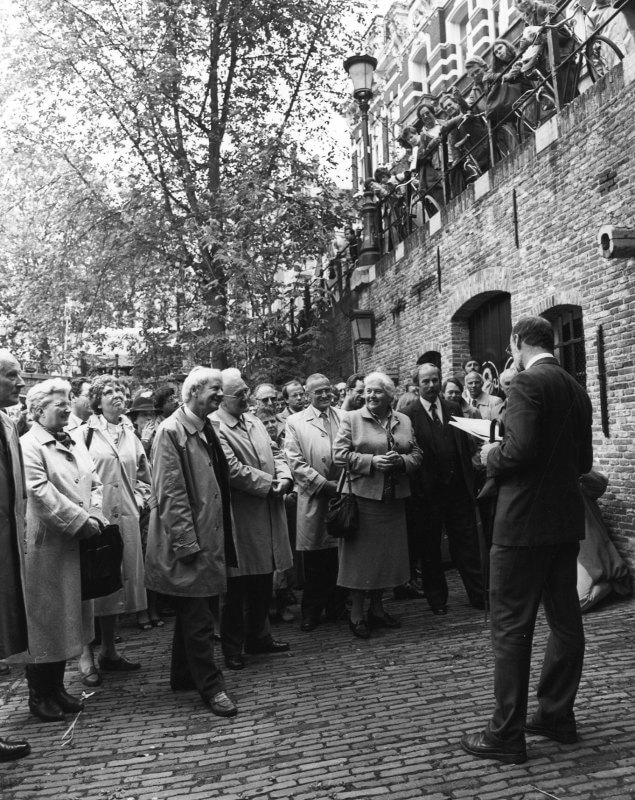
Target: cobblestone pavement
337, 718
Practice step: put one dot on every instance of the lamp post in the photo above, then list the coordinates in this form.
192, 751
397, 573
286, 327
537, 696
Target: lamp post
360, 70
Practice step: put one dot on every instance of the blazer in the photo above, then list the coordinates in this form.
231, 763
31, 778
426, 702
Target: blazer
427, 480
361, 437
546, 446
260, 521
308, 450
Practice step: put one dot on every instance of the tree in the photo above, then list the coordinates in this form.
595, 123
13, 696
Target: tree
193, 104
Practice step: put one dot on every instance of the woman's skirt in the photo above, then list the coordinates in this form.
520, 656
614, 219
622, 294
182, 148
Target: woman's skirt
377, 558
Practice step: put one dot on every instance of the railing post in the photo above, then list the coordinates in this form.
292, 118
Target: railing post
553, 49
447, 192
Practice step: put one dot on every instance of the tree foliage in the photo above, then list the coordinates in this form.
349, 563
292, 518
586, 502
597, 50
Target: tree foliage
175, 138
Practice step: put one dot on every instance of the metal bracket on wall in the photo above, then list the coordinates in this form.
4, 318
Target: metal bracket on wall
604, 405
515, 218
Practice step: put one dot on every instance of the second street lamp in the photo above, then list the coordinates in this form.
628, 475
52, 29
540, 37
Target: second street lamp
360, 69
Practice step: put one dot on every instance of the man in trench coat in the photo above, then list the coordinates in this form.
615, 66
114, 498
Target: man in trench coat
190, 541
259, 479
309, 448
13, 631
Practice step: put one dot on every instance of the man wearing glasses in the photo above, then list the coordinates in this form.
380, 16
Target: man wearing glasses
259, 478
309, 448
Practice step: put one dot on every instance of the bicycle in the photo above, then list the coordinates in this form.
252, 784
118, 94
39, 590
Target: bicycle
594, 54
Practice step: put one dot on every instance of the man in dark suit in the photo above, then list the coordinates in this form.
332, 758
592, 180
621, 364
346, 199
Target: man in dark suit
443, 495
13, 631
538, 523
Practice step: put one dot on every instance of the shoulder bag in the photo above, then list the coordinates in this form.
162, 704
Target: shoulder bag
342, 516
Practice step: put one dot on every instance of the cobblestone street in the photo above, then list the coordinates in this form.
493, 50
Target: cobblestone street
335, 719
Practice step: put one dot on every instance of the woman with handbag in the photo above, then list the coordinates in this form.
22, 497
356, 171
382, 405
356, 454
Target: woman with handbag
64, 498
376, 446
123, 468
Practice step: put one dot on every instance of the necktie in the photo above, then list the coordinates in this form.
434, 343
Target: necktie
434, 415
474, 403
327, 426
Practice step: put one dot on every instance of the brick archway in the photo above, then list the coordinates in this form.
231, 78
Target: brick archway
476, 289
567, 297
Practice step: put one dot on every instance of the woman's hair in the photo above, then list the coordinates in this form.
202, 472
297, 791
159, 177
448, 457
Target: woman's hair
197, 378
38, 395
383, 379
97, 386
497, 64
456, 381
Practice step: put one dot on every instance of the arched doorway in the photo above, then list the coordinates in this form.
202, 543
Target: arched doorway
490, 326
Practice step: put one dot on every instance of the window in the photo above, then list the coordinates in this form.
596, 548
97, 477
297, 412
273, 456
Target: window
566, 322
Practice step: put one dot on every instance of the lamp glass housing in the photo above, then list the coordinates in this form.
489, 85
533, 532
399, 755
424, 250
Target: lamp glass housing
360, 69
363, 326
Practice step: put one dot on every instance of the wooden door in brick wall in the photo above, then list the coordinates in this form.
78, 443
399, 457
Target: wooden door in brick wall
490, 327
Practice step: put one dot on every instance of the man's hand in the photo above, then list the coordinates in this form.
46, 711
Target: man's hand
485, 451
329, 489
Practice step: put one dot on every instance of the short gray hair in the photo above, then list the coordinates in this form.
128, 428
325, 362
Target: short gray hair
384, 380
37, 395
198, 377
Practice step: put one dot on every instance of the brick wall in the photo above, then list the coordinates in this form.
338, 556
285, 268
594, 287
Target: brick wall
576, 177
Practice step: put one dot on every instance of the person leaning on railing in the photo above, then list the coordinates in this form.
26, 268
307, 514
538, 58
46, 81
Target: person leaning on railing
535, 13
429, 163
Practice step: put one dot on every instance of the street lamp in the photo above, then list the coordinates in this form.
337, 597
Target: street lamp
363, 326
360, 69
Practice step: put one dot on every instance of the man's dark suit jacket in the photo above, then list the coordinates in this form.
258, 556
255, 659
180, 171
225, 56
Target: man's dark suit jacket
427, 480
546, 446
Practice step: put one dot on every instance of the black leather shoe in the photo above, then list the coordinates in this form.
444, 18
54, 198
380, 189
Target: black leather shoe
91, 678
120, 664
68, 703
408, 591
222, 705
562, 735
386, 620
46, 709
9, 751
359, 629
235, 662
439, 611
271, 646
477, 745
309, 624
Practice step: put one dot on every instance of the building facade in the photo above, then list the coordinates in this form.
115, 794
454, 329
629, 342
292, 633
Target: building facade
521, 240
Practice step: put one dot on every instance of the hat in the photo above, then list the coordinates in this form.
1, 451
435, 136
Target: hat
144, 401
475, 60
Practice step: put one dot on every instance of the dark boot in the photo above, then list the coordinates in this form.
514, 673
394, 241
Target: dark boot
66, 701
40, 678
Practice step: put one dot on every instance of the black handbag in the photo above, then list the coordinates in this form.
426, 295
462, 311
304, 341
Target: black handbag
342, 516
100, 562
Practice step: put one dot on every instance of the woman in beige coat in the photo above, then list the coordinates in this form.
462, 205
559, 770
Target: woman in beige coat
377, 446
123, 468
63, 503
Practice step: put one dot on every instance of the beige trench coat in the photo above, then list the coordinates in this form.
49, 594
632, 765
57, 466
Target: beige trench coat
13, 634
63, 490
186, 516
125, 474
260, 522
308, 449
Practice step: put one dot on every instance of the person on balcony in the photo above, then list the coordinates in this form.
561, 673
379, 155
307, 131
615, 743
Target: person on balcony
468, 144
429, 161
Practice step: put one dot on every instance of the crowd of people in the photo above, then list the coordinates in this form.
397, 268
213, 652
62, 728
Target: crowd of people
221, 501
453, 131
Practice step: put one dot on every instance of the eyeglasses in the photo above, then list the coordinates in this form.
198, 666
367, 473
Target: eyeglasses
321, 392
239, 395
266, 399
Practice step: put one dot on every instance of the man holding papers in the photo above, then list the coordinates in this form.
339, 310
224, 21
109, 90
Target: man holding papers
538, 523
